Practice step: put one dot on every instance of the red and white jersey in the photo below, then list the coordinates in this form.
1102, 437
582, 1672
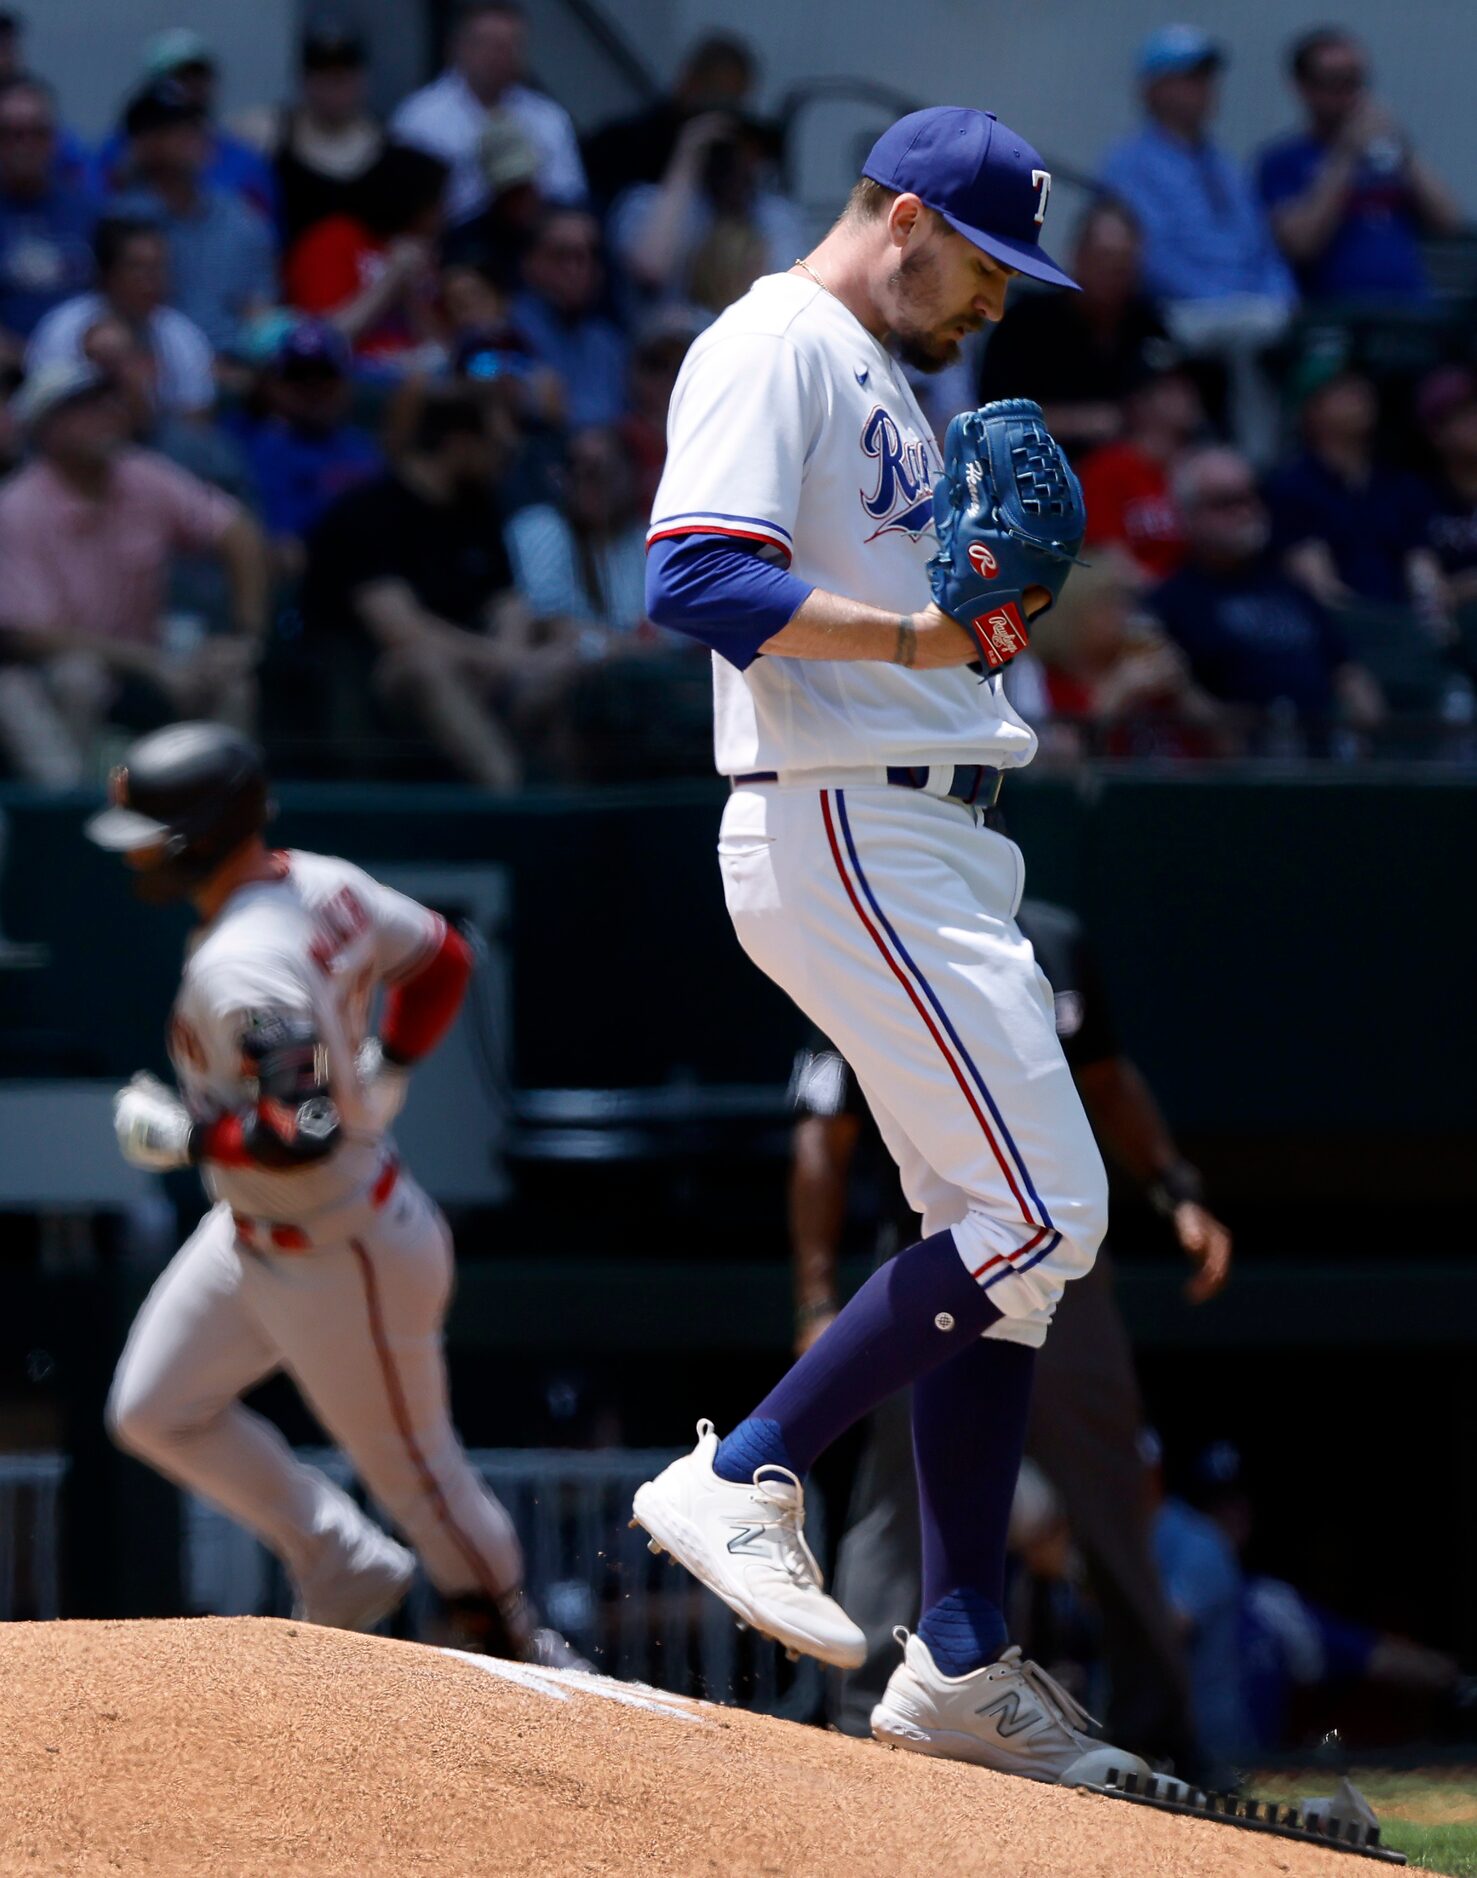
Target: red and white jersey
791, 426
316, 942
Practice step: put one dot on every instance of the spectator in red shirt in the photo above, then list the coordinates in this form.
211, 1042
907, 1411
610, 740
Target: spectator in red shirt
1126, 484
374, 276
89, 531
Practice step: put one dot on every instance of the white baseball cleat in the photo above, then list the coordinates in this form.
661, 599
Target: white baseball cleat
359, 1593
1009, 1715
746, 1542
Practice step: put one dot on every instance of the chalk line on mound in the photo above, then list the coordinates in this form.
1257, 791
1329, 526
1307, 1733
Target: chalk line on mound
561, 1684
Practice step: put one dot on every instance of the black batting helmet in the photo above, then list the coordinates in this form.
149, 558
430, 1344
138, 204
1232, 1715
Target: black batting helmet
193, 792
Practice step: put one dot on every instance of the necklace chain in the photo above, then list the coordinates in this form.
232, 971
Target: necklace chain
813, 275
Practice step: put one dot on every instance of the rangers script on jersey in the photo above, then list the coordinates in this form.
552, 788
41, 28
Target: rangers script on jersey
792, 427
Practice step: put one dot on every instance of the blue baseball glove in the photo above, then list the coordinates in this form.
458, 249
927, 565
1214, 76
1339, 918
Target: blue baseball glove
1009, 515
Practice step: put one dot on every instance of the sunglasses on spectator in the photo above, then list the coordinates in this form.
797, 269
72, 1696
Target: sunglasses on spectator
571, 250
35, 133
1338, 81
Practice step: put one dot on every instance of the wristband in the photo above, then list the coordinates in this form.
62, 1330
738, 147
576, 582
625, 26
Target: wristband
1174, 1186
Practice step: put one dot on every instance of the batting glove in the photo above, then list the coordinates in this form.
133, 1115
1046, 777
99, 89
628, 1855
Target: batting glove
152, 1125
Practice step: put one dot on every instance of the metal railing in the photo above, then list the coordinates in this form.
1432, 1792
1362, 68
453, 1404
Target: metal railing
634, 1616
30, 1535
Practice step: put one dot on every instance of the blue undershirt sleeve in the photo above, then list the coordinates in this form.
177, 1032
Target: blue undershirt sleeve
718, 592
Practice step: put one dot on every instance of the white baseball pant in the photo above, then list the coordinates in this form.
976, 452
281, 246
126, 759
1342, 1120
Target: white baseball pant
357, 1326
888, 915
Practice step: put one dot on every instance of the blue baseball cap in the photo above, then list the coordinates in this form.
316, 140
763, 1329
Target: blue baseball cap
314, 343
1178, 49
987, 182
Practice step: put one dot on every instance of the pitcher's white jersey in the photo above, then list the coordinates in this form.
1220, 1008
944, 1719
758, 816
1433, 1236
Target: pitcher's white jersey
315, 942
793, 427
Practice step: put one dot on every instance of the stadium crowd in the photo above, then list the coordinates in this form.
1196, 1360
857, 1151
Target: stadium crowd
347, 430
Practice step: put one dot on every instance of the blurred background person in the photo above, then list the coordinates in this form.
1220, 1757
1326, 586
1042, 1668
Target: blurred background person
487, 71
1080, 354
222, 249
1111, 682
46, 217
1258, 1644
559, 312
1349, 196
522, 399
1126, 484
132, 264
180, 56
73, 158
1208, 253
1348, 527
1447, 410
717, 73
326, 145
410, 575
205, 449
1202, 1582
307, 453
716, 220
660, 346
88, 533
498, 238
581, 558
1204, 234
1253, 636
584, 559
374, 275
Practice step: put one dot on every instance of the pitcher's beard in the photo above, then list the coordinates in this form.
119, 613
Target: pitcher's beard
924, 353
915, 331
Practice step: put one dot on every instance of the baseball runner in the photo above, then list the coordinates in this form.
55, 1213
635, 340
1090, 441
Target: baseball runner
798, 530
321, 1256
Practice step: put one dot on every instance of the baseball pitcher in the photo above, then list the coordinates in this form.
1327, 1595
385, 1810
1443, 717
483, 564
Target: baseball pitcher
803, 518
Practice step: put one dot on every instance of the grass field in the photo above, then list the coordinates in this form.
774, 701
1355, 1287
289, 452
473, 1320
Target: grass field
1429, 1815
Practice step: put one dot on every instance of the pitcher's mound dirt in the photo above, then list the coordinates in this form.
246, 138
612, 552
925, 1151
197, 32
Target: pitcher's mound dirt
248, 1746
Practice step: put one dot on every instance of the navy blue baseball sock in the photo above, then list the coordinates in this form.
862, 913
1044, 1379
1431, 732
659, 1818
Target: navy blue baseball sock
920, 1309
969, 1431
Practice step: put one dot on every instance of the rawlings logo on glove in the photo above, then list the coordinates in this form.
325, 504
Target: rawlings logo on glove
1009, 517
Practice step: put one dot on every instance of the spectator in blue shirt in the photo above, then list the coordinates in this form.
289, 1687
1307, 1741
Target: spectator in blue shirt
307, 454
1205, 237
73, 159
1252, 636
1202, 1586
182, 57
1209, 257
222, 256
46, 223
556, 313
1348, 197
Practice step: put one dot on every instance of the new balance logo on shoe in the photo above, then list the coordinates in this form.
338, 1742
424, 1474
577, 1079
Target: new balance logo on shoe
747, 1539
1007, 1716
